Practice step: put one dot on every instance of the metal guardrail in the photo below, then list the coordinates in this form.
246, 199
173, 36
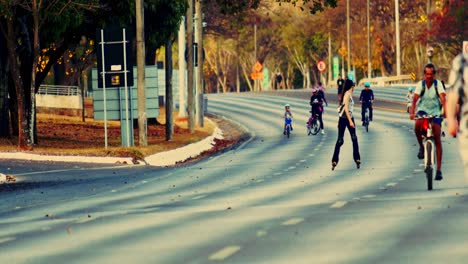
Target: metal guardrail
59, 90
386, 81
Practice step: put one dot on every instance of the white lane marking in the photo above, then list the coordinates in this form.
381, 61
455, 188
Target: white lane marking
198, 197
316, 149
311, 155
277, 173
339, 204
224, 253
392, 184
292, 168
6, 239
369, 196
261, 233
302, 161
293, 221
383, 188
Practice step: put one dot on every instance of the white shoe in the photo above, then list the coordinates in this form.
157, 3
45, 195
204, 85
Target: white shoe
323, 132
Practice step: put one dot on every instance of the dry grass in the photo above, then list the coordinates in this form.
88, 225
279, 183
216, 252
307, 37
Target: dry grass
65, 135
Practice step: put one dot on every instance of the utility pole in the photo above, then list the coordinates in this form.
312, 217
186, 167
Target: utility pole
199, 66
190, 70
397, 38
140, 39
369, 56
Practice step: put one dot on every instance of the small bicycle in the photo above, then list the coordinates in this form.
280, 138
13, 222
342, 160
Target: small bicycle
288, 124
313, 126
366, 119
430, 161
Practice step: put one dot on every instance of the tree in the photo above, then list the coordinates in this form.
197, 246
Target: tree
27, 26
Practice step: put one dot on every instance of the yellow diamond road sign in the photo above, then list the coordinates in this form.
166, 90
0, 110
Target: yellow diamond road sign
257, 67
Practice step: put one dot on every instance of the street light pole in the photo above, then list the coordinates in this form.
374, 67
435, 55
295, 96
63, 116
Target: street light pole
397, 33
348, 36
369, 56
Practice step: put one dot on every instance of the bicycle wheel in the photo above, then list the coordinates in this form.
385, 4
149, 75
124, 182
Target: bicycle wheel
288, 130
366, 120
315, 127
429, 170
309, 129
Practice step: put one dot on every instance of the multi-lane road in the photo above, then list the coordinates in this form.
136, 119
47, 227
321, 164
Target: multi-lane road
270, 200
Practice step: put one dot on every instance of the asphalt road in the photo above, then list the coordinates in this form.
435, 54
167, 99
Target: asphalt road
270, 200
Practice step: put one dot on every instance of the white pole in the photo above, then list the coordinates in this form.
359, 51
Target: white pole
369, 56
348, 36
182, 69
397, 38
104, 87
127, 128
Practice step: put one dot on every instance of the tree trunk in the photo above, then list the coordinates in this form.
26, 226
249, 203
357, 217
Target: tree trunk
190, 69
169, 94
140, 37
23, 143
4, 104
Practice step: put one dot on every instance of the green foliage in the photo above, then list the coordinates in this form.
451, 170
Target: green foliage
162, 20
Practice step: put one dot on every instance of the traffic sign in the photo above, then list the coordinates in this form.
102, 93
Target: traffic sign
256, 75
257, 66
321, 66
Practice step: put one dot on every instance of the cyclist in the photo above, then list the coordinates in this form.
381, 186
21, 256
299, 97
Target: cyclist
429, 98
316, 102
321, 91
409, 98
287, 115
366, 98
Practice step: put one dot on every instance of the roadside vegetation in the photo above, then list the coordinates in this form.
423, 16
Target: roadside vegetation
66, 135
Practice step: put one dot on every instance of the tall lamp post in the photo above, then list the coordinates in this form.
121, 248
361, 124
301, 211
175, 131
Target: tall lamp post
397, 32
369, 57
348, 40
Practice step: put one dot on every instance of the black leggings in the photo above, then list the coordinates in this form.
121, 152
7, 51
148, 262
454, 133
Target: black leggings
317, 111
342, 125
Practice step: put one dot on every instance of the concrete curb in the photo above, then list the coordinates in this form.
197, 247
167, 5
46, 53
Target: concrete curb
166, 158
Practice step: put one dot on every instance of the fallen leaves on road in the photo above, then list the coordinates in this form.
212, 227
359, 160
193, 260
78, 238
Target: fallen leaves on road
5, 178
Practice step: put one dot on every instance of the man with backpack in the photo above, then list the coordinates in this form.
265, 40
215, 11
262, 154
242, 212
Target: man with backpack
429, 98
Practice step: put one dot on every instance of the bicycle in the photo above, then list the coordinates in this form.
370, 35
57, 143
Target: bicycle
366, 120
313, 127
288, 124
430, 162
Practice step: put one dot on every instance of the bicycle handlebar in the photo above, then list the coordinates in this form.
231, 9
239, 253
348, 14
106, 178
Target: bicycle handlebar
427, 116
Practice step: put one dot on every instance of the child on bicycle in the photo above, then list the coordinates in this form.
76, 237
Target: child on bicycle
366, 98
409, 98
287, 116
316, 102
